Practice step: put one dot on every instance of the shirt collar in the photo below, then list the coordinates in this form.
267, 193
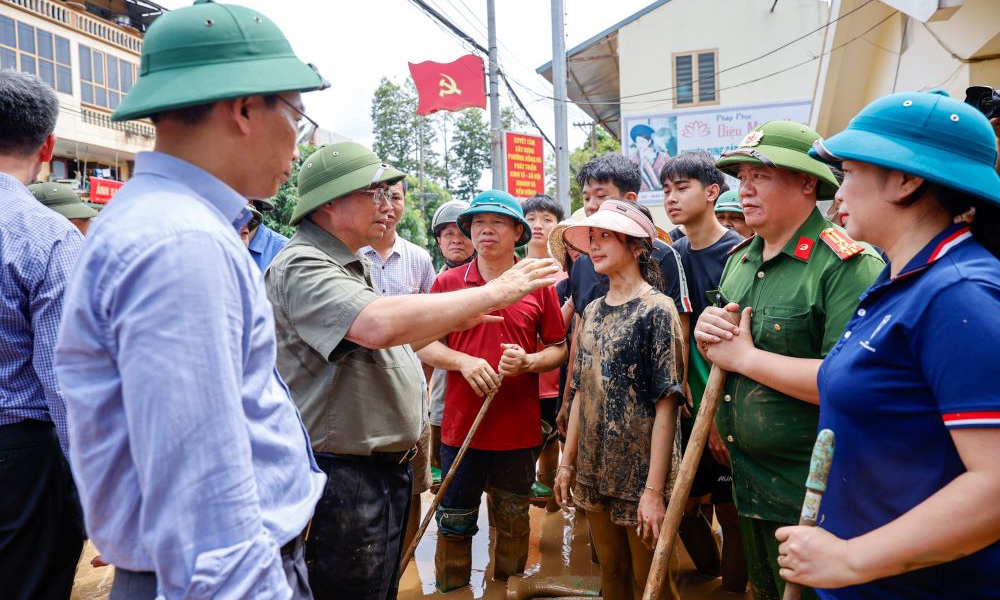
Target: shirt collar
801, 246
7, 182
207, 187
260, 238
330, 244
472, 274
944, 242
397, 249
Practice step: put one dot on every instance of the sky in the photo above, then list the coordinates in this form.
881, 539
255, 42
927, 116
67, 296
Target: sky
354, 44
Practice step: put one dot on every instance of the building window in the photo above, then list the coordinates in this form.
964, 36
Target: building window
104, 79
694, 78
31, 50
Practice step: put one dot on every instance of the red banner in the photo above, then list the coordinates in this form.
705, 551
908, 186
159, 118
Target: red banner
525, 164
449, 86
101, 190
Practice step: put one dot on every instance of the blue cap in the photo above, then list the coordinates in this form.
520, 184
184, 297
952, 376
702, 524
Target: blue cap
644, 130
927, 134
496, 202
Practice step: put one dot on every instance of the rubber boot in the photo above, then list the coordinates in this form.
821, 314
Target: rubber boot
453, 554
510, 513
696, 533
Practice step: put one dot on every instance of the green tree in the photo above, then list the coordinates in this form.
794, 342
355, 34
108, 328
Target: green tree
598, 145
471, 147
287, 197
393, 115
511, 120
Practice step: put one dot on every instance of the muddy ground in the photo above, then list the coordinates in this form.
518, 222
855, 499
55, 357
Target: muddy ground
559, 546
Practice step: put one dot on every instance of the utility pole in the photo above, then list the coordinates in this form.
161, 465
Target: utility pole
559, 89
495, 150
421, 124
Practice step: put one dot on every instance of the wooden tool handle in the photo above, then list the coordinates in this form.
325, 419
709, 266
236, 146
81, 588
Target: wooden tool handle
682, 485
819, 471
451, 475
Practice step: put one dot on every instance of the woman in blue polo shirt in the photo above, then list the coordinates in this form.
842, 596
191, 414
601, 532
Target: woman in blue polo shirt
912, 508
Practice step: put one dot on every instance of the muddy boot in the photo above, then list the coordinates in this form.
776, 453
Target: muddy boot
510, 513
453, 554
696, 533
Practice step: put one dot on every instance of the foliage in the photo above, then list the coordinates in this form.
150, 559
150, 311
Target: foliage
393, 119
471, 146
598, 145
287, 197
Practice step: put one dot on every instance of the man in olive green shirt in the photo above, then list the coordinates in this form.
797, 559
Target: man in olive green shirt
795, 286
346, 353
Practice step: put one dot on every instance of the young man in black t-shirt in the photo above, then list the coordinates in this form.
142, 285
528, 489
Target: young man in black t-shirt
691, 185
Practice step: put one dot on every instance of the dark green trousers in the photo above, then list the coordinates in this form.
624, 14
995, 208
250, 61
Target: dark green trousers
761, 549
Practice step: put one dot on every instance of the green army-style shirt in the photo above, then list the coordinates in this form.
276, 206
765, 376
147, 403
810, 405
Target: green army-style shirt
353, 400
802, 299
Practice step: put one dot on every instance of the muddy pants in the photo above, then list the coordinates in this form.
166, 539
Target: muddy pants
356, 539
41, 523
511, 471
761, 549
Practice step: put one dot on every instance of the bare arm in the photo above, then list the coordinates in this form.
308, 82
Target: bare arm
395, 320
567, 466
918, 538
481, 376
651, 505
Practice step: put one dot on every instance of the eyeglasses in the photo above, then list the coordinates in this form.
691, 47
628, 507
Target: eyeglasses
379, 195
305, 126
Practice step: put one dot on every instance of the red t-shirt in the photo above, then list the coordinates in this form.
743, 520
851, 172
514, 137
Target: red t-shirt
514, 419
548, 382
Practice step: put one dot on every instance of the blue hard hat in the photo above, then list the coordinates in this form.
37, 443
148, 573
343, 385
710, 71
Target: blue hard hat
927, 134
496, 202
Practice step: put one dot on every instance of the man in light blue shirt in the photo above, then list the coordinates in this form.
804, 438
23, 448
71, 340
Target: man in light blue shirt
194, 469
41, 531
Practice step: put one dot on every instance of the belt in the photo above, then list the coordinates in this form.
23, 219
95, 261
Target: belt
376, 458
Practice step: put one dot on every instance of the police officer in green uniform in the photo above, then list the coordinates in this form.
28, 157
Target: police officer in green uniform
792, 288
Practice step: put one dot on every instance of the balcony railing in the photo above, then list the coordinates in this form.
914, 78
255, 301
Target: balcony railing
75, 17
130, 128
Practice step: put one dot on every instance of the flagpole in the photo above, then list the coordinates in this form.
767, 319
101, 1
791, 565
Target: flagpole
559, 88
495, 149
422, 123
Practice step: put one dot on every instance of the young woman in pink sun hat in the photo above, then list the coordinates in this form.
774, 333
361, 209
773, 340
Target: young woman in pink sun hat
622, 451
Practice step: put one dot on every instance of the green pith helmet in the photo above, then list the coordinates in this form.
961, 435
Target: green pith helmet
337, 170
496, 202
62, 199
210, 52
781, 144
729, 201
447, 213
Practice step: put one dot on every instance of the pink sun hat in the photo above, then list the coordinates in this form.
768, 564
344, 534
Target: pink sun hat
614, 215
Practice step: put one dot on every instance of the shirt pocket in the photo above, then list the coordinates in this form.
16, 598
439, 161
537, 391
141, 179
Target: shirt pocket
785, 330
385, 359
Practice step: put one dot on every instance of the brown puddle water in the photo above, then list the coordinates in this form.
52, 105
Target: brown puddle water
559, 545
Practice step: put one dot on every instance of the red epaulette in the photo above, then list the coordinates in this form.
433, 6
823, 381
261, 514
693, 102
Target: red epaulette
842, 246
740, 245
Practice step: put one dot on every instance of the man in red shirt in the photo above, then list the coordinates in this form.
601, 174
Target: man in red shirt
529, 340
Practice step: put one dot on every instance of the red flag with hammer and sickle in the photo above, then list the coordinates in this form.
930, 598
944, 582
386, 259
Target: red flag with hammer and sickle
449, 86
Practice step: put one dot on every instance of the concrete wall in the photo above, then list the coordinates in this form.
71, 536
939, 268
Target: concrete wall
902, 54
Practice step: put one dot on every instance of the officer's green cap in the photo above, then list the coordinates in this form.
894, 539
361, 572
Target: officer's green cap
728, 201
210, 52
781, 144
62, 199
337, 170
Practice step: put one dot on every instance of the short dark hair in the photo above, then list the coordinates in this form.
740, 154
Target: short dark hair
613, 167
543, 203
196, 115
28, 112
694, 165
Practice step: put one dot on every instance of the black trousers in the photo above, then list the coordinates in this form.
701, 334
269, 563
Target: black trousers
41, 524
355, 541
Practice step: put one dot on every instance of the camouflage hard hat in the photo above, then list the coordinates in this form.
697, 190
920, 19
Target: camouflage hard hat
210, 52
783, 144
337, 170
62, 199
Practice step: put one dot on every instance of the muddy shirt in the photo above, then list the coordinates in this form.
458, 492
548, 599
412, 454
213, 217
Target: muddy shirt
627, 359
802, 299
